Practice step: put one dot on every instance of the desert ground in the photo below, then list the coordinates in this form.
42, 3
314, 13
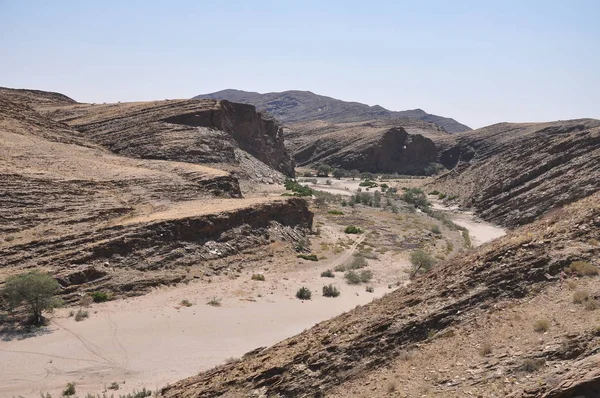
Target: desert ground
153, 340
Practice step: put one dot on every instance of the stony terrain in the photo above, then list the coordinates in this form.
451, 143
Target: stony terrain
497, 321
114, 196
513, 173
304, 106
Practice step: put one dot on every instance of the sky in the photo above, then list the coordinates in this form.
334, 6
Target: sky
479, 62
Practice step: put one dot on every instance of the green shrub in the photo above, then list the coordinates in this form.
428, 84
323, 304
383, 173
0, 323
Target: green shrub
436, 230
327, 274
452, 197
351, 229
336, 212
352, 278
34, 288
436, 192
100, 297
421, 262
258, 277
69, 390
310, 257
368, 184
366, 276
304, 293
323, 170
299, 190
357, 263
582, 268
344, 203
442, 196
339, 268
416, 197
337, 173
330, 291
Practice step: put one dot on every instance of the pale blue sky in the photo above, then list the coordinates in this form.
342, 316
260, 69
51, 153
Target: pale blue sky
480, 62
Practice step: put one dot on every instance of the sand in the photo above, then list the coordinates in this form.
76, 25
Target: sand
152, 340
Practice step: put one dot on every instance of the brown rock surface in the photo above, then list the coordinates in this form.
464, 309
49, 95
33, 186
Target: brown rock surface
402, 146
513, 173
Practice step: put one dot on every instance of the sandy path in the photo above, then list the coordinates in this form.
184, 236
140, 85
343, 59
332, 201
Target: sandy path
480, 231
150, 341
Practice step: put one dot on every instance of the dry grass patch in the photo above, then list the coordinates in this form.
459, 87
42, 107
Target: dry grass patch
582, 268
541, 325
580, 296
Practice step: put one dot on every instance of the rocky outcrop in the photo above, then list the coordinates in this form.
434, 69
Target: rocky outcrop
514, 173
303, 106
110, 254
379, 147
353, 345
191, 131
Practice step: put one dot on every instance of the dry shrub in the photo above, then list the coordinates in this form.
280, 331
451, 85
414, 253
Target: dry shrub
580, 296
541, 325
582, 268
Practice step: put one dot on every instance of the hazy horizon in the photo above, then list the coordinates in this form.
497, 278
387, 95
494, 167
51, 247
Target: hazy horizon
479, 64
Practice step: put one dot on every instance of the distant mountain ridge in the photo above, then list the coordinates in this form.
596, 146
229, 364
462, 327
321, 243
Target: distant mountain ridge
301, 106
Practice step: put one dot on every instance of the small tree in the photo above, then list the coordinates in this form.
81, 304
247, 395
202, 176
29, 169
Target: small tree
337, 174
36, 289
421, 262
323, 170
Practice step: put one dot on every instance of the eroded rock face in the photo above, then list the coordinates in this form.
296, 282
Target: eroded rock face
192, 131
373, 147
514, 173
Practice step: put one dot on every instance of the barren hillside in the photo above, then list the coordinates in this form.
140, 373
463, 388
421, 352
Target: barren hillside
495, 322
512, 173
112, 196
303, 106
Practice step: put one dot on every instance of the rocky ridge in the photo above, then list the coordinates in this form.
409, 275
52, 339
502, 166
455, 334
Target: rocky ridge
302, 106
512, 173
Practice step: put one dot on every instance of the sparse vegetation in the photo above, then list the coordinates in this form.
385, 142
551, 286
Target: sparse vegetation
580, 296
336, 212
309, 257
186, 303
69, 390
330, 291
339, 268
591, 305
357, 263
34, 288
113, 386
327, 274
467, 238
304, 293
541, 325
80, 315
532, 364
100, 297
421, 262
356, 278
436, 230
215, 302
370, 289
258, 277
297, 189
582, 268
416, 197
351, 229
368, 184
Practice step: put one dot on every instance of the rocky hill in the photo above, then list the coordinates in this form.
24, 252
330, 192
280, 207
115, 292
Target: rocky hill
302, 106
499, 321
114, 196
396, 146
512, 173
